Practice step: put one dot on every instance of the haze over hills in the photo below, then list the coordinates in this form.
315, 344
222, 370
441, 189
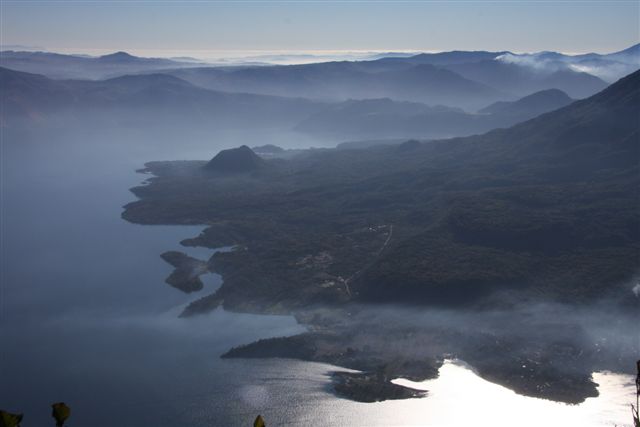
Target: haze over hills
144, 99
59, 66
531, 105
608, 67
521, 80
447, 58
336, 81
469, 80
384, 118
507, 74
149, 98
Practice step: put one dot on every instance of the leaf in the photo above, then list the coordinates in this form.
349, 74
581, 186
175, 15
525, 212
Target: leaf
60, 413
8, 419
259, 422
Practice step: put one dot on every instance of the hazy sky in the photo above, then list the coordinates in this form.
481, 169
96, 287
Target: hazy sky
148, 27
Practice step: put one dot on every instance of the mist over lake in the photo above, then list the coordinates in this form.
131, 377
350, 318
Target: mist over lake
319, 213
90, 321
86, 312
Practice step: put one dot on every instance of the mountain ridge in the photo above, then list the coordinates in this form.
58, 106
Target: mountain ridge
150, 98
538, 102
385, 118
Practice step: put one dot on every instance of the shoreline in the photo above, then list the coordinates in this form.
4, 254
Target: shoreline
347, 334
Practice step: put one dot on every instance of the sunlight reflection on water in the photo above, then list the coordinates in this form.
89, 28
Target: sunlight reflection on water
461, 398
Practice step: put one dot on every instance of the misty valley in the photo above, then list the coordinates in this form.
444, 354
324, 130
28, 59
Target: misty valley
380, 241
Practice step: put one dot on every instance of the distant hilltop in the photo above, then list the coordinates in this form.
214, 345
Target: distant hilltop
235, 160
119, 56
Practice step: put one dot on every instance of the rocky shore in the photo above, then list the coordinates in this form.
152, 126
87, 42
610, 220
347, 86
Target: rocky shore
187, 271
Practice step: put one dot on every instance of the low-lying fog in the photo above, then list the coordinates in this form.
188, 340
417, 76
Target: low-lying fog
86, 315
87, 318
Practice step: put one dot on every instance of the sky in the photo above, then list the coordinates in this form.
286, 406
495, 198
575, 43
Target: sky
173, 28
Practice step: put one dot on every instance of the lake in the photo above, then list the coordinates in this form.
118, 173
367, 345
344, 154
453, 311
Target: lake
86, 317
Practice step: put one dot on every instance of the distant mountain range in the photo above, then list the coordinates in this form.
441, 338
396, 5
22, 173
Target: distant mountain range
442, 79
148, 98
469, 80
531, 105
163, 98
59, 66
419, 96
521, 80
609, 67
447, 58
458, 78
339, 81
384, 118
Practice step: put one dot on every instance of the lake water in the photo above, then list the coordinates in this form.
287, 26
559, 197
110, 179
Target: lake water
86, 317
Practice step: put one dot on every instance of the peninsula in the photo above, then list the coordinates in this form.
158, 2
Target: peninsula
400, 255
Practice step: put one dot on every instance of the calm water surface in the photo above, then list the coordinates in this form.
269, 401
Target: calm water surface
87, 319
